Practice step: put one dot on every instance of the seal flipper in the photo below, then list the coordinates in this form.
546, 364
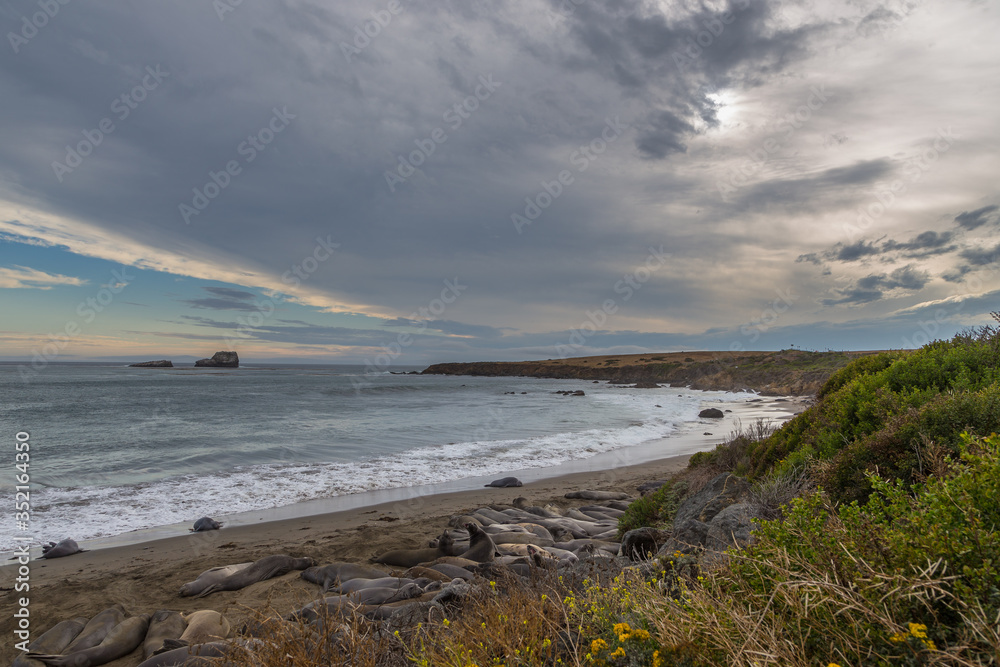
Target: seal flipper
171, 644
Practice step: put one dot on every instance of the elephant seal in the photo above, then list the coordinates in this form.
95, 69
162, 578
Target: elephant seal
205, 523
210, 577
411, 557
203, 627
97, 629
163, 625
67, 547
331, 575
419, 571
385, 594
53, 641
353, 585
189, 656
597, 495
504, 483
481, 546
267, 567
122, 640
452, 571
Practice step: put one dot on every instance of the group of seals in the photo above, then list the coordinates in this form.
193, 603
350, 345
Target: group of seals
410, 557
121, 640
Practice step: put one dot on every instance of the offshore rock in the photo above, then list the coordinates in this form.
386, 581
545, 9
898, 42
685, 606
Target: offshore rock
221, 360
162, 363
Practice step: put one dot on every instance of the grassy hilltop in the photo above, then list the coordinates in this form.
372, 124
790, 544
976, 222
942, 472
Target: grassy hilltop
875, 542
787, 372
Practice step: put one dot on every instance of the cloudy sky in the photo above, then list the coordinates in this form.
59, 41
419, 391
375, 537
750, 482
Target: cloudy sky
403, 182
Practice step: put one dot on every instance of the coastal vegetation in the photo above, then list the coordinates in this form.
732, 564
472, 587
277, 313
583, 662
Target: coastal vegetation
876, 542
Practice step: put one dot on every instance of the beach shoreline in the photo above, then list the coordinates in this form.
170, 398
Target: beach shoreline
145, 575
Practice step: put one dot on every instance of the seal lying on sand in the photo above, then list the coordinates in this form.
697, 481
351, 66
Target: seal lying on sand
188, 656
67, 547
411, 557
163, 625
97, 629
211, 577
597, 495
205, 523
122, 640
203, 626
505, 483
53, 642
261, 570
331, 575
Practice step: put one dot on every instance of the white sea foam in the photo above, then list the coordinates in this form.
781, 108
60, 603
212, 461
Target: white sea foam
100, 512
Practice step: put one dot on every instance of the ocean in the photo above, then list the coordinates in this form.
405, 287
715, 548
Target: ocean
117, 449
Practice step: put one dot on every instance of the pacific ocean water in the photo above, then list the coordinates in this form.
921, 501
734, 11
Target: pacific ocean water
117, 449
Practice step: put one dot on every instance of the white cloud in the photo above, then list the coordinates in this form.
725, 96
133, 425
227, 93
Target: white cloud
22, 277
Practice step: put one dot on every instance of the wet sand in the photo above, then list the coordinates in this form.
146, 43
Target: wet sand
146, 576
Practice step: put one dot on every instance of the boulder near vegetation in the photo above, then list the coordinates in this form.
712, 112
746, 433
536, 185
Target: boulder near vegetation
872, 539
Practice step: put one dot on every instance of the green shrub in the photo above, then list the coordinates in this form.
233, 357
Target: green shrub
655, 509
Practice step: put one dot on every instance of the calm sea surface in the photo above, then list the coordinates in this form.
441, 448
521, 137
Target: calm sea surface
117, 449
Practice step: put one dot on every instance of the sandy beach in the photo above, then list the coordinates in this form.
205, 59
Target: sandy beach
145, 576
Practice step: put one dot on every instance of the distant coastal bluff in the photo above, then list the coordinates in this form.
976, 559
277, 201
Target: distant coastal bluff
218, 360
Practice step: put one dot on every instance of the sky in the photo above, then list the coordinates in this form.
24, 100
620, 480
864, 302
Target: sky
394, 182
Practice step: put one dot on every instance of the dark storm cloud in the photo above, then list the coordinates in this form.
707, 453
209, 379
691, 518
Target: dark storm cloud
855, 251
924, 244
815, 192
977, 218
224, 298
981, 256
874, 286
